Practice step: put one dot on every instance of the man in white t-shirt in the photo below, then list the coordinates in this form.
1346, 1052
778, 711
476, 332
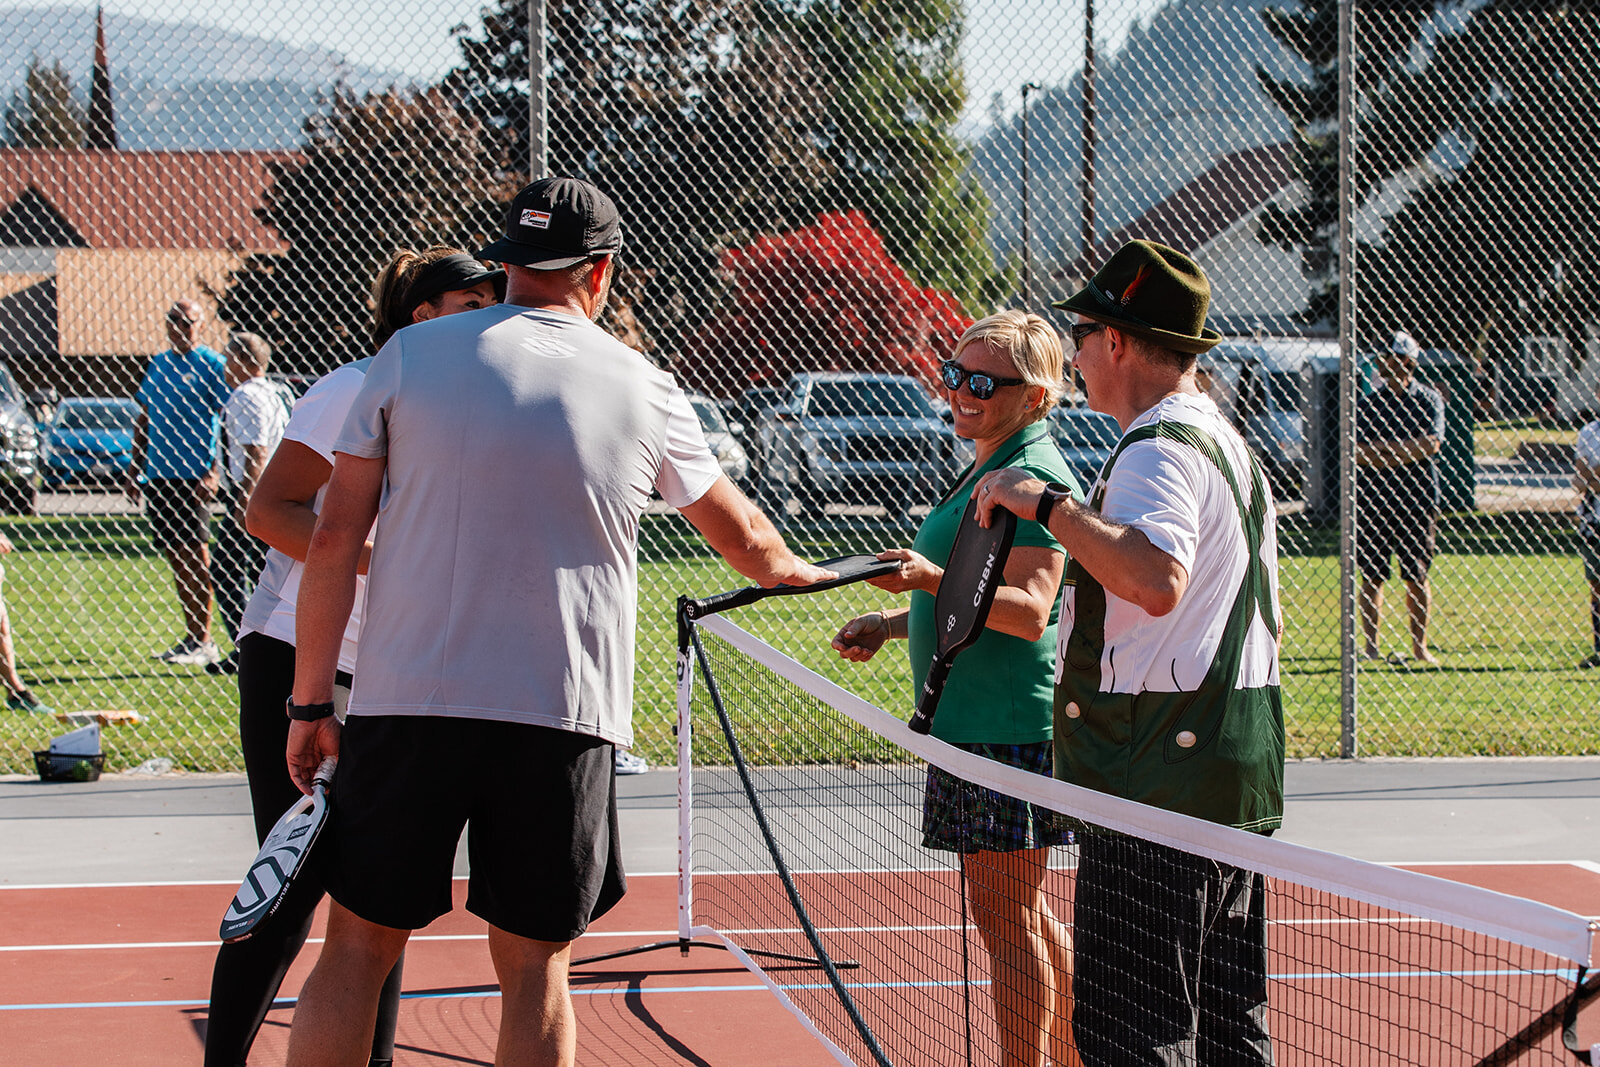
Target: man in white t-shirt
253, 420
1586, 480
1166, 676
508, 455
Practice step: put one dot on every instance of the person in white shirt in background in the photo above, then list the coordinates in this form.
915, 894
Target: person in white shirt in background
253, 420
1586, 480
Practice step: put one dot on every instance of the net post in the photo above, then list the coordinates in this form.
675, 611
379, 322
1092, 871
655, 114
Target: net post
685, 669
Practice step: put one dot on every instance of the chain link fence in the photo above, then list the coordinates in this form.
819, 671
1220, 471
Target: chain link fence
817, 199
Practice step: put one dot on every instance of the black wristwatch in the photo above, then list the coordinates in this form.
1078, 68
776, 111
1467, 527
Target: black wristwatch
307, 712
1054, 493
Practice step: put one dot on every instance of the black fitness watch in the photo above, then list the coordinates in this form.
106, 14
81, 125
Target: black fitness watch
1054, 493
307, 712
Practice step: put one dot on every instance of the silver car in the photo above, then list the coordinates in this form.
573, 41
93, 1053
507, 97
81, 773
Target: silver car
858, 439
1262, 387
722, 437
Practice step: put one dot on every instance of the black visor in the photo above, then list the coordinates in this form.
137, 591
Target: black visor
459, 271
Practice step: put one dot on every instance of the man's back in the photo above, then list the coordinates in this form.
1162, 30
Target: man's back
521, 449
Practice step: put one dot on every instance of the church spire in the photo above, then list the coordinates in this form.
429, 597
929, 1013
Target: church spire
102, 126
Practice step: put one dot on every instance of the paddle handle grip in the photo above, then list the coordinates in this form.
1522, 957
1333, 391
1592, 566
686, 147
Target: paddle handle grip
928, 700
735, 598
324, 775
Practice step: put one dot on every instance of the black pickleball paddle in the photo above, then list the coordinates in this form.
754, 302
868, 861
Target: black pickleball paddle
966, 593
848, 568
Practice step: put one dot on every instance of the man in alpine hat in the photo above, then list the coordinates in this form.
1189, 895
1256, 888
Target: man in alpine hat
1166, 675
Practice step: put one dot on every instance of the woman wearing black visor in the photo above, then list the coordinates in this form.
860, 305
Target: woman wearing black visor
412, 287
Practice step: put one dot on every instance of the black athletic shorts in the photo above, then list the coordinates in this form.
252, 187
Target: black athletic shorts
1409, 537
177, 516
539, 806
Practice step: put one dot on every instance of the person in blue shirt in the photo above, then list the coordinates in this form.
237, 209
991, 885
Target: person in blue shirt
174, 442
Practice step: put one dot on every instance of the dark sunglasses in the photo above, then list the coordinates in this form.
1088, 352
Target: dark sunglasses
1080, 332
178, 320
981, 386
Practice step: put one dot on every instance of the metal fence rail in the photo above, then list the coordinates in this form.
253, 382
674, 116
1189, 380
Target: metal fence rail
814, 190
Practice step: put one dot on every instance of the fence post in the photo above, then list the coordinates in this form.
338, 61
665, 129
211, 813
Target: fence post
1347, 387
538, 103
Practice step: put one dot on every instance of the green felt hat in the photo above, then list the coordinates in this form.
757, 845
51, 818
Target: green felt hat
1153, 292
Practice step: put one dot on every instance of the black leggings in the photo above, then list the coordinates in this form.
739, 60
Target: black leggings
248, 973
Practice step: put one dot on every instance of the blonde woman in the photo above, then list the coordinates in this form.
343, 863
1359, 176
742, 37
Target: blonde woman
1002, 381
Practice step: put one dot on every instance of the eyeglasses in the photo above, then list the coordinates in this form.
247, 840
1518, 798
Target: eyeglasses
981, 386
1080, 331
179, 320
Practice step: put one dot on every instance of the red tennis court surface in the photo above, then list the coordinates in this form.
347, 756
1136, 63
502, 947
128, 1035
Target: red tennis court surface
119, 975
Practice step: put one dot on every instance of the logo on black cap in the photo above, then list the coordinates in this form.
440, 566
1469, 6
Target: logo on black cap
556, 222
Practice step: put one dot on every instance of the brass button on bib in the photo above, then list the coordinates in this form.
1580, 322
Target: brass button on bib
1185, 739
1072, 709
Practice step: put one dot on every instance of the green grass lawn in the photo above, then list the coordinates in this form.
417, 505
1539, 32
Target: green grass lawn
90, 602
1500, 439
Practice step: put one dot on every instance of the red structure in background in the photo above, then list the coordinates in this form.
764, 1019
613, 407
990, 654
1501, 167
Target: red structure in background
824, 297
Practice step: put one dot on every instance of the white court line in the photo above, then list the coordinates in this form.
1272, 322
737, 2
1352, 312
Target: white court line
650, 935
103, 946
113, 946
233, 881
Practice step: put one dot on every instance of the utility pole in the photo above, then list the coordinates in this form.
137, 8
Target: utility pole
1087, 240
1027, 287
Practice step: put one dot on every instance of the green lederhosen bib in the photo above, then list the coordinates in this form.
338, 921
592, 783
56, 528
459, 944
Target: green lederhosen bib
1127, 744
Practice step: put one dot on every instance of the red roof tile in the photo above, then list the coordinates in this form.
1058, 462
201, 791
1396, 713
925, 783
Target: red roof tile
125, 200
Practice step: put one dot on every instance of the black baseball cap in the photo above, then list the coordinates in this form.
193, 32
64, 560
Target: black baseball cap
554, 223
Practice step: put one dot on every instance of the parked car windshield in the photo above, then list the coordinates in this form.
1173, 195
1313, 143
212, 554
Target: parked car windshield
102, 416
1261, 392
869, 397
710, 415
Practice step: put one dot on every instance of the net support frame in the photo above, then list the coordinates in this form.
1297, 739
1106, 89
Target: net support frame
688, 935
781, 866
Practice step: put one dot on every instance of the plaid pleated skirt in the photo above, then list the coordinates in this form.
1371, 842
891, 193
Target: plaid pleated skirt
958, 816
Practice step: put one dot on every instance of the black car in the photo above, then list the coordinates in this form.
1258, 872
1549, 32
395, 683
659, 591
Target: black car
1086, 439
857, 439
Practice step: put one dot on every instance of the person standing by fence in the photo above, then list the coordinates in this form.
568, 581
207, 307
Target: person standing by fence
1586, 480
253, 421
174, 440
1399, 431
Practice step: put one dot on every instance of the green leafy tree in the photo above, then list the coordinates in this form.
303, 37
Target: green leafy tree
694, 117
894, 91
1386, 32
43, 112
1498, 244
712, 123
378, 172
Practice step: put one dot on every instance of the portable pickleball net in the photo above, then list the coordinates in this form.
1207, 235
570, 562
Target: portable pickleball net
801, 852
